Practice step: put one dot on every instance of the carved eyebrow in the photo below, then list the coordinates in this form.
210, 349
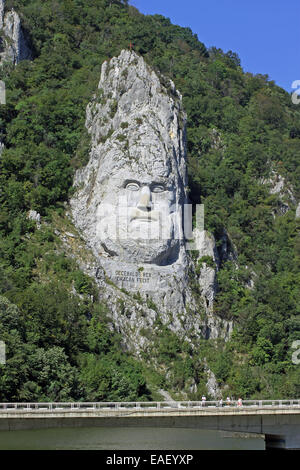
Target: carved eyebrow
131, 181
158, 185
139, 183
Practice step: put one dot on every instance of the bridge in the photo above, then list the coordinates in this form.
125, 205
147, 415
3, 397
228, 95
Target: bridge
278, 420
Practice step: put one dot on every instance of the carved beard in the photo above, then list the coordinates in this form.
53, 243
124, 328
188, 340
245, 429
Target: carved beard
133, 241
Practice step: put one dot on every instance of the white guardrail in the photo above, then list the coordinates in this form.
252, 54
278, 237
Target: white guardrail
117, 406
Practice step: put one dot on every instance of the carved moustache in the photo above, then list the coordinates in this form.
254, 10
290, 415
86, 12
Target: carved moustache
143, 215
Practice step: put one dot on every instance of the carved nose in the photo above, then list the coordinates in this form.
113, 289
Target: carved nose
145, 199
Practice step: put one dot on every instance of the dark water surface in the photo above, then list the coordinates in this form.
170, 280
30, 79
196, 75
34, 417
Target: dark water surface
121, 438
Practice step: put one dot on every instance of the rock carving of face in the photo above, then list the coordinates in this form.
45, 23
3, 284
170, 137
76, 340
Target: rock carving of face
138, 218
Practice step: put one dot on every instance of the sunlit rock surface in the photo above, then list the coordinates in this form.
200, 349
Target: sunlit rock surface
129, 206
298, 211
279, 186
13, 46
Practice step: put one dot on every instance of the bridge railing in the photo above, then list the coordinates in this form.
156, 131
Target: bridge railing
139, 406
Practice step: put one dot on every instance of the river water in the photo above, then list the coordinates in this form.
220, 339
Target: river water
100, 438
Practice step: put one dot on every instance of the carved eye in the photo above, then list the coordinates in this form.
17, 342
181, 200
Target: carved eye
132, 186
158, 188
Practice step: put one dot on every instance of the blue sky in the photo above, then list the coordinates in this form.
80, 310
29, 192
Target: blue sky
264, 33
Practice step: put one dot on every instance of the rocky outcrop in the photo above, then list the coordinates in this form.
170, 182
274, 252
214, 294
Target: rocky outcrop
13, 44
212, 386
137, 163
227, 250
279, 186
129, 204
298, 211
207, 264
35, 216
2, 6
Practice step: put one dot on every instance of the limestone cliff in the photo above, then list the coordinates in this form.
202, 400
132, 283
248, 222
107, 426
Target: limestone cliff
130, 206
278, 185
13, 45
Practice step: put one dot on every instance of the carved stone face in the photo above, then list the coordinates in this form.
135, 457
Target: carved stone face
131, 193
139, 218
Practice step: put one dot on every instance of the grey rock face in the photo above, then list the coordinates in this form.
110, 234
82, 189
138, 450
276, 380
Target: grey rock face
35, 216
130, 195
298, 211
13, 44
212, 386
129, 199
2, 5
206, 246
227, 250
278, 185
137, 169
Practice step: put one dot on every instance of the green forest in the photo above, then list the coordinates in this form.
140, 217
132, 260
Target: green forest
241, 129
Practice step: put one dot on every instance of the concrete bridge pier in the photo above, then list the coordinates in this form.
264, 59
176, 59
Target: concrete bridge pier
287, 441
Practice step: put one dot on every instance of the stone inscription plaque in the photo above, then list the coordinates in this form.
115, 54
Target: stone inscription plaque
137, 278
133, 277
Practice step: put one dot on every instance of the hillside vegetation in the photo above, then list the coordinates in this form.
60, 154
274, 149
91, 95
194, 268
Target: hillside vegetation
243, 132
